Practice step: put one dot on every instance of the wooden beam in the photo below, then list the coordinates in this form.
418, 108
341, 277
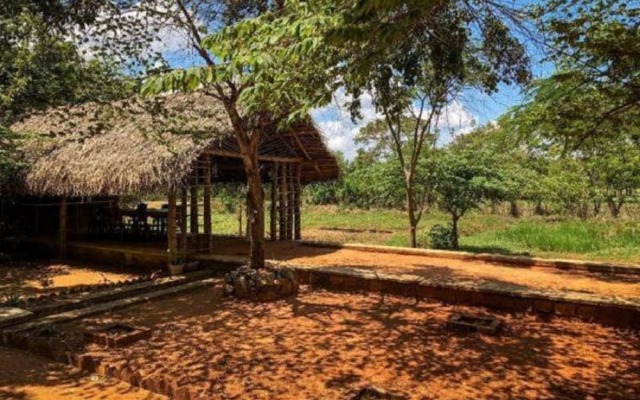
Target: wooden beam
62, 245
282, 206
297, 187
274, 202
193, 213
172, 227
231, 154
183, 222
207, 202
296, 138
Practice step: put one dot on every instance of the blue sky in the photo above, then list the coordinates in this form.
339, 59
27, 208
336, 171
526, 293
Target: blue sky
471, 109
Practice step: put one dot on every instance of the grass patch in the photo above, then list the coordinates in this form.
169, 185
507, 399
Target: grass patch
603, 240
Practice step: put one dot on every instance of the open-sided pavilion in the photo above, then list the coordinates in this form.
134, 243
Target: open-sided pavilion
84, 161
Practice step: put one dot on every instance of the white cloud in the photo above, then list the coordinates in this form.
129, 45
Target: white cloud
455, 120
335, 122
337, 126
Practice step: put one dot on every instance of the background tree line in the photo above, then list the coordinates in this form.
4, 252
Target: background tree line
493, 169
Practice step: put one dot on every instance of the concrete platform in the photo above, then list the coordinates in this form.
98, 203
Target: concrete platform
13, 315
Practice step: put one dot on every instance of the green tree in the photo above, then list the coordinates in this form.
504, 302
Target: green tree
246, 78
412, 83
403, 142
40, 67
596, 88
462, 180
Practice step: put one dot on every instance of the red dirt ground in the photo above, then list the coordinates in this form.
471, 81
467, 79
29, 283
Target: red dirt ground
63, 275
441, 269
326, 345
27, 377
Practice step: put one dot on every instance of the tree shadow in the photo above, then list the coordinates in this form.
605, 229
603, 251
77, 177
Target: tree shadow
325, 344
40, 277
22, 375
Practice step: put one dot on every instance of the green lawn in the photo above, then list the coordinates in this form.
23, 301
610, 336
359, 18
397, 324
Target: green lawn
604, 240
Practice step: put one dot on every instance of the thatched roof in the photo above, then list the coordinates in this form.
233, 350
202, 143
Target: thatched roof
141, 146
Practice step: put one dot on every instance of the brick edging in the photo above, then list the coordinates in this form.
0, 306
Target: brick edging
591, 266
604, 313
164, 384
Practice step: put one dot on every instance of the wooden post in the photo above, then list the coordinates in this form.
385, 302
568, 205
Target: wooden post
274, 202
183, 223
249, 213
282, 209
62, 248
172, 227
207, 203
240, 213
297, 188
193, 215
290, 201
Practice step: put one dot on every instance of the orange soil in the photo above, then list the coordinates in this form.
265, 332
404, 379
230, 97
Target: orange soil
28, 275
24, 376
325, 345
475, 272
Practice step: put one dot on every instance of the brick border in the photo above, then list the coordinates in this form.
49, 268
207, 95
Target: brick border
22, 337
101, 336
164, 384
601, 312
590, 266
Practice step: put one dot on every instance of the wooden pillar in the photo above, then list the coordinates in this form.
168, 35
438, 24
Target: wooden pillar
248, 216
172, 227
183, 223
62, 246
282, 209
240, 213
274, 202
297, 188
290, 201
193, 213
207, 203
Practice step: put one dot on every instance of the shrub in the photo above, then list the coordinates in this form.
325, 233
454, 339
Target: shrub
441, 237
13, 296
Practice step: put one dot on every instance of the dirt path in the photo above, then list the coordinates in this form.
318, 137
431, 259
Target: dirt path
621, 287
27, 377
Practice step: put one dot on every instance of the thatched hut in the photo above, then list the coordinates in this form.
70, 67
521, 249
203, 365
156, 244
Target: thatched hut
90, 156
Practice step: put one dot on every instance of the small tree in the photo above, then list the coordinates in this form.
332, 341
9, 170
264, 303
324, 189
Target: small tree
462, 181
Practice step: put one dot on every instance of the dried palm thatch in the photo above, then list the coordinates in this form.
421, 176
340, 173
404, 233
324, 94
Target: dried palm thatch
118, 148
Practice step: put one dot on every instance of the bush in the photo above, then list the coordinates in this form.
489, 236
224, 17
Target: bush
441, 237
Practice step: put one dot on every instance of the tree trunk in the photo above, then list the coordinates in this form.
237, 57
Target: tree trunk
539, 210
514, 209
240, 210
256, 224
249, 144
413, 222
597, 204
454, 232
413, 234
255, 206
615, 206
